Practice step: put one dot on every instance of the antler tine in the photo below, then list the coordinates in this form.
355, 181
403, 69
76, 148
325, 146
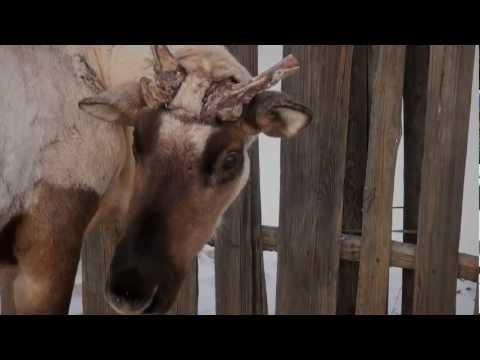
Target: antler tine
230, 96
169, 76
164, 59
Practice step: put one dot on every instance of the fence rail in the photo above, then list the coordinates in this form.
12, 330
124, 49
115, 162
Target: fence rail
403, 254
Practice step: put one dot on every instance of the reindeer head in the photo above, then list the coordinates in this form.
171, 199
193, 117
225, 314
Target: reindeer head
193, 125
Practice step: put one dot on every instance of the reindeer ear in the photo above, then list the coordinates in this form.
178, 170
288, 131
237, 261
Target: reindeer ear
275, 114
119, 105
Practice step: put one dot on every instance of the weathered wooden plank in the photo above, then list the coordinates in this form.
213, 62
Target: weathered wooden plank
387, 72
313, 170
403, 255
443, 170
356, 164
187, 300
6, 295
97, 252
415, 99
239, 273
475, 311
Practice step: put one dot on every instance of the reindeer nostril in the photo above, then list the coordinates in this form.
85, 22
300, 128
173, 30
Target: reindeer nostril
128, 287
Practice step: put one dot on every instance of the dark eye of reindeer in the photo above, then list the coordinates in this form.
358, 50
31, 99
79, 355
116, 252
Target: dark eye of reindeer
228, 167
231, 162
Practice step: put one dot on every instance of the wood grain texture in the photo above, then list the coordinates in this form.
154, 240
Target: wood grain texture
239, 273
387, 64
187, 300
403, 255
356, 164
446, 131
97, 252
475, 310
313, 169
7, 296
415, 100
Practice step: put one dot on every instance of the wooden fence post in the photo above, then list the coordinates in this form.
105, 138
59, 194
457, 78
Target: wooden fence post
6, 297
446, 132
97, 253
415, 100
475, 308
239, 274
187, 300
355, 168
312, 178
386, 73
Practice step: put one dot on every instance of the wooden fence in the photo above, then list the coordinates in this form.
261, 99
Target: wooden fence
334, 242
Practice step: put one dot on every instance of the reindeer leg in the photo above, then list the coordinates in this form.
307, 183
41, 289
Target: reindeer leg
47, 249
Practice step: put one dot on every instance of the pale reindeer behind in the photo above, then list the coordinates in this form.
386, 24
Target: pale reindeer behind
160, 168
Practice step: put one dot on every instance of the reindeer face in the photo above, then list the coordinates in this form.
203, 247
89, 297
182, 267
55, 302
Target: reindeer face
190, 167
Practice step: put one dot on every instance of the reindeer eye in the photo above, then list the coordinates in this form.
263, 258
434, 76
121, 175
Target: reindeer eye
231, 161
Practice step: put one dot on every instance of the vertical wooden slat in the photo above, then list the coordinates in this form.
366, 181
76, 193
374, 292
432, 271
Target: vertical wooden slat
415, 100
239, 273
313, 170
446, 132
97, 253
187, 300
7, 301
475, 308
356, 163
387, 73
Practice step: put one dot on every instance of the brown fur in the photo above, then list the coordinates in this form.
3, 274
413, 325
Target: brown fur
47, 248
168, 222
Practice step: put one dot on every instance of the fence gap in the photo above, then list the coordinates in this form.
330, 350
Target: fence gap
312, 179
446, 131
415, 97
239, 273
356, 163
386, 75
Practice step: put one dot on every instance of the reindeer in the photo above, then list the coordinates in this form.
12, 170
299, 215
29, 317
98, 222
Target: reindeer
92, 139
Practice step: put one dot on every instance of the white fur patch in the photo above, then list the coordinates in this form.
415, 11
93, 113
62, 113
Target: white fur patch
175, 133
294, 120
